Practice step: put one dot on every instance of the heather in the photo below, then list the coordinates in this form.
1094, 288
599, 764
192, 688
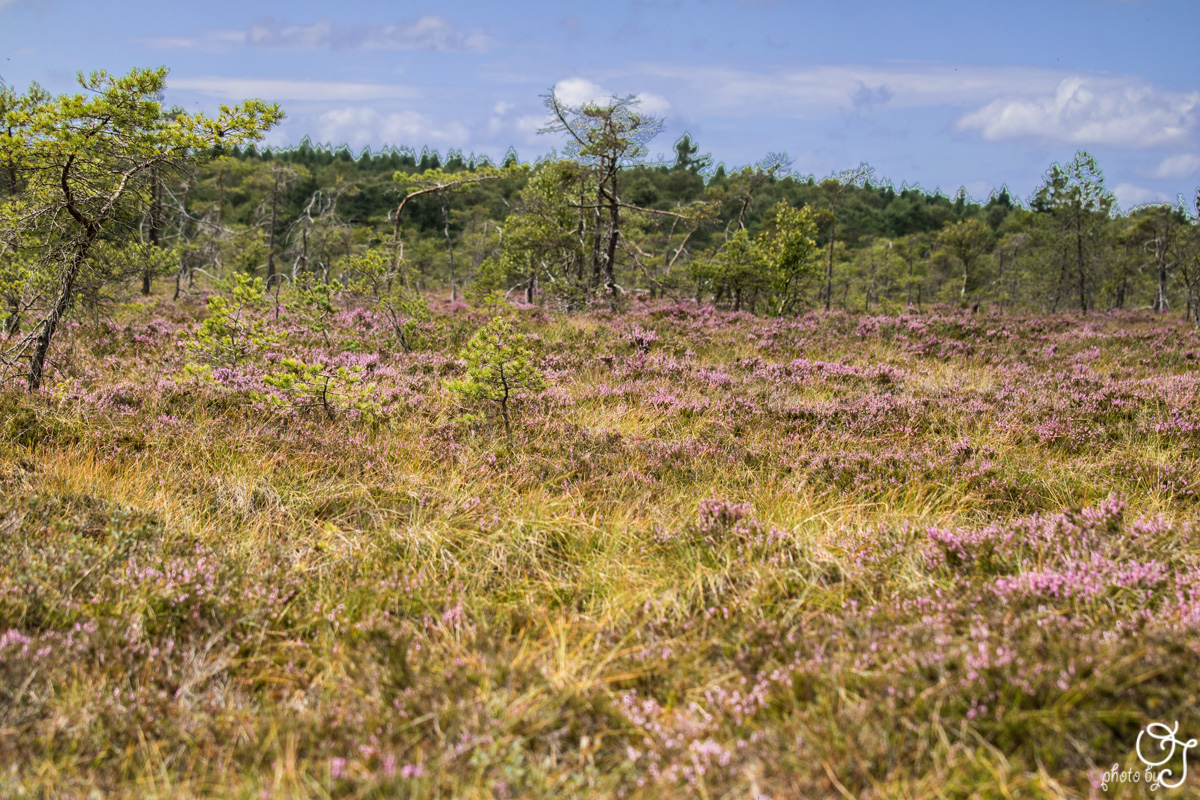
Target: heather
941, 554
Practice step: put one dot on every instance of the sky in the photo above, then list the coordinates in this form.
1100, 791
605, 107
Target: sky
939, 95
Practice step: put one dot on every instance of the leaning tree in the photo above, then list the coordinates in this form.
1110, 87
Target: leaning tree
82, 165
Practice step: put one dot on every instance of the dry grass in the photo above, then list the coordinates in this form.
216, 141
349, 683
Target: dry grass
704, 567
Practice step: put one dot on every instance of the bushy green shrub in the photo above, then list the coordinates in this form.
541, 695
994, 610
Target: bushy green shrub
306, 386
231, 334
499, 364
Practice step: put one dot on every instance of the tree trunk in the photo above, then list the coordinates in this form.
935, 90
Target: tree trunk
13, 323
1062, 279
909, 288
66, 283
303, 263
449, 246
610, 256
579, 268
596, 269
271, 240
155, 224
1161, 300
1081, 267
829, 267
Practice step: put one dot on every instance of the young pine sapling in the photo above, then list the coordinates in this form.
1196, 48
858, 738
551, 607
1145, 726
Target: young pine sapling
303, 386
228, 336
499, 364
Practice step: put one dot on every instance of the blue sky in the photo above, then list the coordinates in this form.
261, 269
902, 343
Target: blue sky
936, 94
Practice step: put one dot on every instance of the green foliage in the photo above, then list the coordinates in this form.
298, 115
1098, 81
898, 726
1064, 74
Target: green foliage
499, 365
739, 267
407, 311
81, 166
311, 300
303, 386
776, 266
111, 263
966, 240
879, 270
370, 274
17, 275
231, 334
446, 179
247, 253
541, 242
791, 252
1076, 209
686, 158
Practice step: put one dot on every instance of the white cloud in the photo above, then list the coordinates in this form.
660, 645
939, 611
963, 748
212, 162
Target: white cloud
1129, 195
528, 126
1181, 166
501, 108
654, 104
358, 126
815, 91
1084, 111
577, 91
429, 32
214, 41
1009, 102
279, 90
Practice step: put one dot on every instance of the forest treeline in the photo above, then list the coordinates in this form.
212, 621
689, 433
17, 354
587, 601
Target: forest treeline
109, 189
874, 247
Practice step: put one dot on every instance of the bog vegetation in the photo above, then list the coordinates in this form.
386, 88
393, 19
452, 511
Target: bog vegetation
401, 477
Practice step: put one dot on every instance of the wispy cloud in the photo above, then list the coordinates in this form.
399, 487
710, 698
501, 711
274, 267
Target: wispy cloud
280, 90
1085, 111
1129, 195
867, 99
1180, 166
576, 91
817, 90
357, 127
999, 102
212, 41
428, 32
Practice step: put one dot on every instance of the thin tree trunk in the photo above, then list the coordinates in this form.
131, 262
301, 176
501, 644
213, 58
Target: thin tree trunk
596, 269
579, 268
1161, 300
155, 224
66, 283
829, 267
1082, 269
271, 241
610, 256
449, 246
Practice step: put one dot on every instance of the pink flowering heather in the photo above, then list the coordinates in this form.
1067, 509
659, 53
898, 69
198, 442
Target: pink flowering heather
721, 556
